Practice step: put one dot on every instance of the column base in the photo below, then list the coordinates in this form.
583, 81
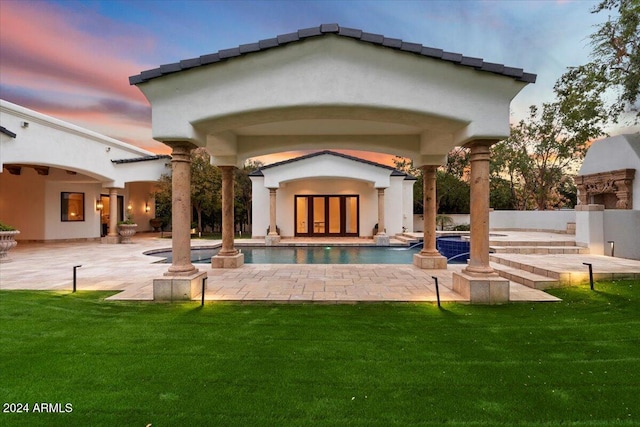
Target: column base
482, 289
233, 261
271, 240
178, 288
382, 239
111, 240
430, 262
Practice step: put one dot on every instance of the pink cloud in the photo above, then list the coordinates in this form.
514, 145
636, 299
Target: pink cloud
40, 46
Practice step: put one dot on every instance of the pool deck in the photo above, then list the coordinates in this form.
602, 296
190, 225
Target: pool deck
125, 268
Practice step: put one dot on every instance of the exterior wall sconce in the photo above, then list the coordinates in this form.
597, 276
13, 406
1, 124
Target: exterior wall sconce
129, 207
147, 208
24, 124
99, 205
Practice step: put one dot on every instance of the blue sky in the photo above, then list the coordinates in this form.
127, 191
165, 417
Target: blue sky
72, 59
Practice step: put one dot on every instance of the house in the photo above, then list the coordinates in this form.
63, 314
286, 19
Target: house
62, 182
331, 194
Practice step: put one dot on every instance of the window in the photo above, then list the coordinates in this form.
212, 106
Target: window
71, 206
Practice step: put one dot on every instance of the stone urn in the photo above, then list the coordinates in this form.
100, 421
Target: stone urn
7, 242
127, 231
156, 223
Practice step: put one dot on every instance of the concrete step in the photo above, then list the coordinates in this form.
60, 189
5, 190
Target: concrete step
539, 250
526, 278
525, 267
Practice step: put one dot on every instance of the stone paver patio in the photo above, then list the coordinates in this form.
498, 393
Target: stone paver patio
125, 268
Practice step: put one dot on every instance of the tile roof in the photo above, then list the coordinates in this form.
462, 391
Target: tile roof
140, 159
323, 30
394, 172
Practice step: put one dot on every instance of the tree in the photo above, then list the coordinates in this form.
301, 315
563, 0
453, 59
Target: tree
206, 184
162, 195
242, 191
543, 148
614, 69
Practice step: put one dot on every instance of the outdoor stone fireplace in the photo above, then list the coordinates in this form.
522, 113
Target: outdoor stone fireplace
612, 189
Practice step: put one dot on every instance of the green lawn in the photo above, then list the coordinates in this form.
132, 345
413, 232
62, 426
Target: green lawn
573, 363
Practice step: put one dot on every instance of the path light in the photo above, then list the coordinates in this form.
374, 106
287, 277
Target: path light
612, 245
437, 290
588, 264
204, 283
74, 276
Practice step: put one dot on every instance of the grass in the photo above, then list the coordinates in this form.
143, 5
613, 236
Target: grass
574, 363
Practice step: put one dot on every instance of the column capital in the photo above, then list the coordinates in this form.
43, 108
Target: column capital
481, 143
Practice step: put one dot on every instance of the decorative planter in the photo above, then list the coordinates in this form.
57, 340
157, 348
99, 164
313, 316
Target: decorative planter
7, 242
156, 223
127, 231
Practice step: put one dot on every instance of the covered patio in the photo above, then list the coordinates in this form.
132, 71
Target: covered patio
331, 87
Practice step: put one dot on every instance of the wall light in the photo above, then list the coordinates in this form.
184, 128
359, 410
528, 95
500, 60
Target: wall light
24, 124
129, 207
99, 205
147, 208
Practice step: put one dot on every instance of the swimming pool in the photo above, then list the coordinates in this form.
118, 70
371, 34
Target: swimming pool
307, 255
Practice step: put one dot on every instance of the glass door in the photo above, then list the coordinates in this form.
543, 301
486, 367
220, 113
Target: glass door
326, 215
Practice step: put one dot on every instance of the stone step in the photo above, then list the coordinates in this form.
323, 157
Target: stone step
523, 277
525, 267
532, 243
405, 238
539, 250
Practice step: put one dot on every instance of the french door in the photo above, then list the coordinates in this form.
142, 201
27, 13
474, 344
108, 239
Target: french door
327, 215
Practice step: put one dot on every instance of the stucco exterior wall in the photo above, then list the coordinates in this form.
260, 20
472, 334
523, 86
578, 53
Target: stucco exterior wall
55, 228
531, 220
623, 228
139, 195
22, 203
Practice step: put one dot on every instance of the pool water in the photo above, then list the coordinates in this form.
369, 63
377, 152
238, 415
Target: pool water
308, 255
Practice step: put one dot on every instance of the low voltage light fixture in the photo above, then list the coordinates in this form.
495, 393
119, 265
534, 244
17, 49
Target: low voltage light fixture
99, 205
147, 208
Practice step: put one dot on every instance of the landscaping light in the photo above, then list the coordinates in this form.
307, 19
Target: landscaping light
74, 276
327, 247
588, 264
437, 290
612, 245
204, 282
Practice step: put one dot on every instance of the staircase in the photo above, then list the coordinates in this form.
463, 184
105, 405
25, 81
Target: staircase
511, 268
406, 238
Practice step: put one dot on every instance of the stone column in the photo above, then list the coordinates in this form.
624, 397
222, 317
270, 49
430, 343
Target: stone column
113, 212
182, 281
229, 256
381, 238
479, 256
273, 237
429, 257
181, 211
478, 281
112, 236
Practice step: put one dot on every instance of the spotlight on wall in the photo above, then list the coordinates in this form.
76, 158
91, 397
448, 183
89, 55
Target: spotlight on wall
147, 208
99, 205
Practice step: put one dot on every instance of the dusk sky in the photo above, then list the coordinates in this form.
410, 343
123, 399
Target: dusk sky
72, 59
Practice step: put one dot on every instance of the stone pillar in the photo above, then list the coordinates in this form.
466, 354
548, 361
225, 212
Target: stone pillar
381, 238
272, 238
429, 257
229, 256
181, 211
182, 281
479, 256
478, 281
112, 235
